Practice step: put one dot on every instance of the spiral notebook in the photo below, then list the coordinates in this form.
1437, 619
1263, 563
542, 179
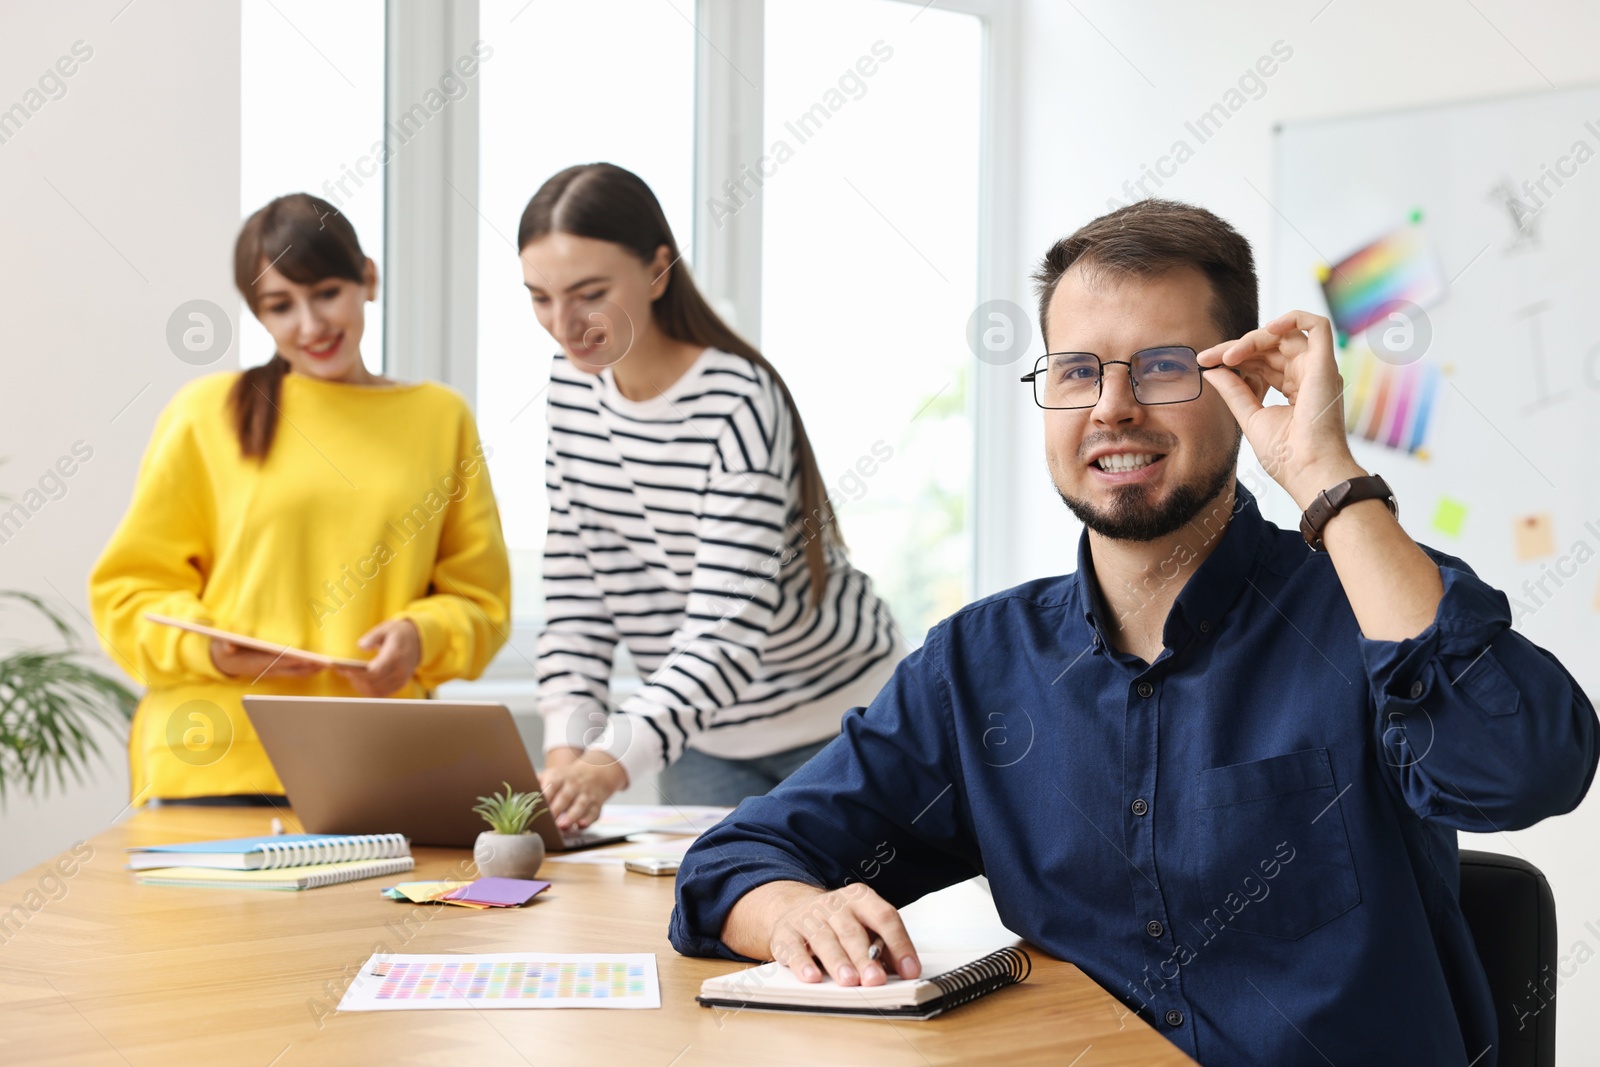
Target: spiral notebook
271, 851
949, 979
312, 876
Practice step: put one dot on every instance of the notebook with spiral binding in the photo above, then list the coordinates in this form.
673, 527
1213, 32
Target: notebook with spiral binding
949, 979
271, 851
311, 876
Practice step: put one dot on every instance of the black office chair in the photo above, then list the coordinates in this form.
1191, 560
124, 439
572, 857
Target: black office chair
1512, 914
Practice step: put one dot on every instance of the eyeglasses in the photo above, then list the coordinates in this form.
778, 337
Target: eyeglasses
1067, 380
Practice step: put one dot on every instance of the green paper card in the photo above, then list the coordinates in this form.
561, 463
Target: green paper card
1449, 515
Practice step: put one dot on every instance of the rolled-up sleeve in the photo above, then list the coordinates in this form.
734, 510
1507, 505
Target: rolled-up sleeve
1482, 729
884, 804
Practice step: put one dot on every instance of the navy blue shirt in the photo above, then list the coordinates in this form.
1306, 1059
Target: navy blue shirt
1251, 841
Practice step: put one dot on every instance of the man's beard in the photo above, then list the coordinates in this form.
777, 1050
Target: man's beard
1129, 519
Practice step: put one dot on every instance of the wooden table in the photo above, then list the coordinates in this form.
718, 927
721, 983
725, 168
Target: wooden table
96, 969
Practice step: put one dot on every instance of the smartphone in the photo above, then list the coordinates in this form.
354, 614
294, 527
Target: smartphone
652, 866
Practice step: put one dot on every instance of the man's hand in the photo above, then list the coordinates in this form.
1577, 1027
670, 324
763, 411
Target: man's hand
576, 789
799, 925
1393, 586
247, 663
1303, 446
399, 652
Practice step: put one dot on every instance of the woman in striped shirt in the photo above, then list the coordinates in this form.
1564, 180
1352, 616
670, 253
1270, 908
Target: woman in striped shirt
688, 521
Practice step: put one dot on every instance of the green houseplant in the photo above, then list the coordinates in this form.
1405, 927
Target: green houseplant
508, 849
49, 705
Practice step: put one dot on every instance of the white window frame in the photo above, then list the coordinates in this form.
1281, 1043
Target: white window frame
431, 228
430, 207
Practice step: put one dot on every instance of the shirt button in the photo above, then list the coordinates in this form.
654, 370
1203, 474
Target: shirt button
1416, 690
1153, 928
1174, 1017
1205, 626
1139, 807
1145, 689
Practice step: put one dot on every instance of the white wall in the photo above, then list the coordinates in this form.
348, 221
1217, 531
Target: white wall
121, 202
1107, 87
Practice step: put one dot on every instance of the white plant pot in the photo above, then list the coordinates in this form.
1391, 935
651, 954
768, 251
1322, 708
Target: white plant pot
508, 855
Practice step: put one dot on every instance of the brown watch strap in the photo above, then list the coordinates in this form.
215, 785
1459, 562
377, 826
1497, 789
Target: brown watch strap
1330, 502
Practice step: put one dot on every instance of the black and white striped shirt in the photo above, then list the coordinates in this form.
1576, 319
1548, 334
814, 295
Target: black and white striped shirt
676, 528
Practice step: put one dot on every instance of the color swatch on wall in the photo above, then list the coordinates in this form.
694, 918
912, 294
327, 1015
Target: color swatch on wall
1400, 266
1386, 404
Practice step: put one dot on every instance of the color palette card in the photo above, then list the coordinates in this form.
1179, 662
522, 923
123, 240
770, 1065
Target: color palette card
504, 980
1398, 268
1387, 404
497, 892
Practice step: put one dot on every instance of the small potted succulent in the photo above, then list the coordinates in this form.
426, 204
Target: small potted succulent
509, 849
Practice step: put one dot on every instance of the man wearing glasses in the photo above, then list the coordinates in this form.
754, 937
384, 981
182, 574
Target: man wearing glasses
1221, 765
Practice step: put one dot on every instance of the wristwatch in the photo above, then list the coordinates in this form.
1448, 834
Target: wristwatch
1330, 502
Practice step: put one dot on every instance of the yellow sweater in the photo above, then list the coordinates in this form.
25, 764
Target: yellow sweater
373, 502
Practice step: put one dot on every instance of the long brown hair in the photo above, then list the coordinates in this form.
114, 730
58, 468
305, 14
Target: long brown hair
607, 203
306, 239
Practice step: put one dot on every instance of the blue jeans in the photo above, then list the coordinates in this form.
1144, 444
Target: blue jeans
697, 778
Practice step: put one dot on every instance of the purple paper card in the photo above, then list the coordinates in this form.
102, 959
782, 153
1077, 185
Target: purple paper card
499, 892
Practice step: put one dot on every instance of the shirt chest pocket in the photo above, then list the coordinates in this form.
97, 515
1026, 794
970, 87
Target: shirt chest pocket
1276, 856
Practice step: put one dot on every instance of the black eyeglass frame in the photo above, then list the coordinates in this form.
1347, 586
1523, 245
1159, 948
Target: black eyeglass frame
1099, 382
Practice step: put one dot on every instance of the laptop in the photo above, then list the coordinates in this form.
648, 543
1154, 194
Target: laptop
354, 765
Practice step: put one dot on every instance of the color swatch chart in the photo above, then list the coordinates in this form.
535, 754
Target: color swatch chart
1388, 405
1398, 267
517, 980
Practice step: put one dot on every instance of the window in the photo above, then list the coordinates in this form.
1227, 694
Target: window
543, 108
311, 101
854, 262
869, 272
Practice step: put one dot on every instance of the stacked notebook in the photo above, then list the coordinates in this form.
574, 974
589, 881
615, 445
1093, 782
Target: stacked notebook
275, 861
949, 979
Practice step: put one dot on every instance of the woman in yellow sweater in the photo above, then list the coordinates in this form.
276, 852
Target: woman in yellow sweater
307, 502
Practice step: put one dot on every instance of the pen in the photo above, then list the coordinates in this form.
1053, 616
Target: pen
874, 952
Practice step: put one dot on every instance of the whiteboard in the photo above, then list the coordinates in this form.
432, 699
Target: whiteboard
1514, 430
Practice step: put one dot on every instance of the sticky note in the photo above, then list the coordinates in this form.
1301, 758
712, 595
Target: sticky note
497, 892
1534, 536
1449, 515
428, 892
422, 892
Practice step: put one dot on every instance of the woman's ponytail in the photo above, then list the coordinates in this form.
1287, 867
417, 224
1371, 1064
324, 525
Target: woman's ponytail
254, 404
